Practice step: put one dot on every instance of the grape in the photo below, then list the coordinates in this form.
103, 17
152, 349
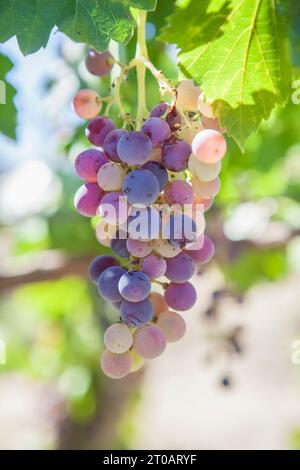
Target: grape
136, 314
149, 341
154, 266
134, 148
138, 248
144, 223
113, 208
159, 171
209, 146
188, 133
209, 123
99, 64
118, 338
173, 326
137, 361
180, 268
87, 104
204, 171
99, 264
180, 296
157, 129
204, 107
105, 232
159, 110
204, 254
174, 119
179, 192
180, 229
88, 163
159, 303
205, 204
119, 247
111, 176
134, 286
175, 156
111, 142
98, 129
206, 190
187, 95
116, 366
87, 199
108, 283
141, 187
164, 248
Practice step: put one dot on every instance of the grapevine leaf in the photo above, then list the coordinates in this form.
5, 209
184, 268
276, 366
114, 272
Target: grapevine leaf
8, 112
149, 5
234, 50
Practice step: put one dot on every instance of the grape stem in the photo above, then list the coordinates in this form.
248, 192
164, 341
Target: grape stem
141, 52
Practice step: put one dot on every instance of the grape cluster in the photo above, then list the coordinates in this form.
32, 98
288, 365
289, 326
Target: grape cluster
171, 160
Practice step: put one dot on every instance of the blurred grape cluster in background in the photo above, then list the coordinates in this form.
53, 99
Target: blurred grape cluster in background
232, 382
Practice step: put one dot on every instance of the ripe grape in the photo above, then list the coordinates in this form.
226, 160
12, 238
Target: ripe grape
209, 146
154, 266
116, 366
144, 223
180, 296
113, 208
204, 254
141, 187
99, 264
111, 176
159, 303
97, 129
119, 247
206, 190
138, 248
157, 129
118, 338
204, 171
137, 361
108, 283
87, 104
159, 171
173, 326
87, 199
88, 163
187, 95
180, 268
204, 107
179, 192
99, 64
159, 110
134, 286
136, 314
165, 249
175, 156
111, 142
134, 148
149, 341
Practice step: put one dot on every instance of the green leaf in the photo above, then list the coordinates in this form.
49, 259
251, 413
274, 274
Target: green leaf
8, 112
149, 5
234, 49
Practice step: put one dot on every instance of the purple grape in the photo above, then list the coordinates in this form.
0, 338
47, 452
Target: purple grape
134, 148
136, 314
154, 266
119, 247
179, 192
134, 286
157, 129
97, 129
204, 254
87, 199
111, 142
159, 171
180, 296
149, 341
160, 109
99, 264
141, 186
88, 163
175, 156
99, 64
108, 283
180, 268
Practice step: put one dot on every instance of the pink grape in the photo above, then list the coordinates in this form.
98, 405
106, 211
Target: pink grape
118, 338
111, 142
180, 296
111, 176
149, 341
87, 199
204, 171
138, 248
99, 64
159, 303
98, 129
87, 104
160, 109
154, 266
206, 190
113, 208
134, 148
204, 254
134, 286
116, 366
88, 163
157, 129
173, 326
187, 95
209, 146
136, 314
205, 204
99, 264
175, 156
180, 269
179, 192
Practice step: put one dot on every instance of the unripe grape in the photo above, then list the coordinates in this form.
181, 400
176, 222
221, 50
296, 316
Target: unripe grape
187, 95
173, 326
159, 303
204, 107
87, 199
118, 338
99, 64
149, 341
180, 296
206, 190
111, 176
116, 366
87, 104
209, 146
204, 171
